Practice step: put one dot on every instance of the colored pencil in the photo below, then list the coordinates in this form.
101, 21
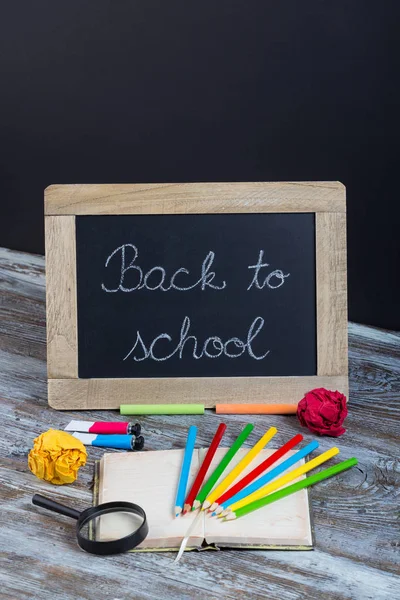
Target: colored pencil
184, 476
256, 409
246, 460
242, 483
261, 481
220, 468
281, 481
204, 467
291, 489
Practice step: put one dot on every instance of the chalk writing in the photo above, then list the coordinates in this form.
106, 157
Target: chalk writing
269, 280
213, 347
155, 278
125, 258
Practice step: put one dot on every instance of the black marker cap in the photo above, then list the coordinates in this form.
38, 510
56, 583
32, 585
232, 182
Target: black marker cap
138, 443
134, 429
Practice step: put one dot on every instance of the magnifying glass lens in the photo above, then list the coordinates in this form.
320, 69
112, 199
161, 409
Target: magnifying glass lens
111, 526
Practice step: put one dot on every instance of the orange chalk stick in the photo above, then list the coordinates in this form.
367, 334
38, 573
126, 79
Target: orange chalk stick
256, 409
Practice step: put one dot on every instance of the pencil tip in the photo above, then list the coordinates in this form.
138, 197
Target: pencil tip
213, 514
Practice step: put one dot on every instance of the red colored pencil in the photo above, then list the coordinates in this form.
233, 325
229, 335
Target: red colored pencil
257, 471
204, 468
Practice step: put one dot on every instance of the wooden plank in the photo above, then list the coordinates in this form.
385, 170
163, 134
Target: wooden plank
201, 198
62, 335
81, 394
331, 278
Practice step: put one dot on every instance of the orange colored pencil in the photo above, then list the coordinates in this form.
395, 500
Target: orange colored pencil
256, 409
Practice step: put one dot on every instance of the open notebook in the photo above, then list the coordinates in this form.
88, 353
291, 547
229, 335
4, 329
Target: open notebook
150, 479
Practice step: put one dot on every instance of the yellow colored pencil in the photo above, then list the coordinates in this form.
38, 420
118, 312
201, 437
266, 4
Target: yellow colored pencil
281, 481
246, 460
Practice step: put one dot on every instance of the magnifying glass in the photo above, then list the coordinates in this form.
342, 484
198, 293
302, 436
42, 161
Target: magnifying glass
110, 528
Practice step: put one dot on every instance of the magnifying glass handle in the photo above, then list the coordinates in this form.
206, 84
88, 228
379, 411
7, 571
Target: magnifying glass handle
39, 500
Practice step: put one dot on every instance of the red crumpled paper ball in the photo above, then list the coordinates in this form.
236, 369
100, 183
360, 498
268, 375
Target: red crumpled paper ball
323, 412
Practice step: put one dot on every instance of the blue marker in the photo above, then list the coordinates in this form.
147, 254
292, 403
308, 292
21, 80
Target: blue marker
123, 442
187, 461
259, 483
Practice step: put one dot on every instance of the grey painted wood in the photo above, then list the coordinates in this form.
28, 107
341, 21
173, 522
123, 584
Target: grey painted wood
356, 515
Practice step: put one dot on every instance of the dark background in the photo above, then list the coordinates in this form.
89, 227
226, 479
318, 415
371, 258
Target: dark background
145, 91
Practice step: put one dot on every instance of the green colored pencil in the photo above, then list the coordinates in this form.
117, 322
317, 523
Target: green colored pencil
291, 489
220, 468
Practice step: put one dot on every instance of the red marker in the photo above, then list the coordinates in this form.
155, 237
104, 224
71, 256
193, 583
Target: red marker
107, 427
204, 468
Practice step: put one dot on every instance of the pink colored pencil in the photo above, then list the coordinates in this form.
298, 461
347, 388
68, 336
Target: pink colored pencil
204, 468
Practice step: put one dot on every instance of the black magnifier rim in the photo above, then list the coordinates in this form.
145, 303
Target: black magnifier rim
119, 546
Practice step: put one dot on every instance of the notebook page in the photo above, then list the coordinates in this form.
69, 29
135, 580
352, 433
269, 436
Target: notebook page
283, 523
149, 479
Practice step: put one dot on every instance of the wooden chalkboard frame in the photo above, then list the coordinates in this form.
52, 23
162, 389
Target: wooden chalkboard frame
64, 202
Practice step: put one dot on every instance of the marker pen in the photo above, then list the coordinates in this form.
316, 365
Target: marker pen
123, 442
106, 427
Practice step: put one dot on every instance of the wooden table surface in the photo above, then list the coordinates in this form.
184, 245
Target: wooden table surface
356, 514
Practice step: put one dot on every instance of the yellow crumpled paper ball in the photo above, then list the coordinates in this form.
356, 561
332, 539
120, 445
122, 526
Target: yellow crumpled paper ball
56, 457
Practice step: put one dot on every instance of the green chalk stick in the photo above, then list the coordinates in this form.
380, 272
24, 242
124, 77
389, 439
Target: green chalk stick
161, 409
216, 474
295, 487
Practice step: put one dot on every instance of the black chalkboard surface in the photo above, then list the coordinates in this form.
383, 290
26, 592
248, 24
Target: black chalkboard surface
196, 295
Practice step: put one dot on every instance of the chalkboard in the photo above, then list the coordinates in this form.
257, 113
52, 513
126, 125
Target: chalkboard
195, 292
196, 295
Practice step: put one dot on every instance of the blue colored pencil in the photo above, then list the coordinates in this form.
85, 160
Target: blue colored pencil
261, 481
184, 476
